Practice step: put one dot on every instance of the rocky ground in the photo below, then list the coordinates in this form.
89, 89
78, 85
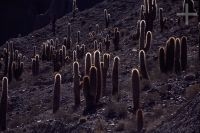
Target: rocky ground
169, 101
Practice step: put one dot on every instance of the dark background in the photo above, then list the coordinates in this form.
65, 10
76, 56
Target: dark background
24, 16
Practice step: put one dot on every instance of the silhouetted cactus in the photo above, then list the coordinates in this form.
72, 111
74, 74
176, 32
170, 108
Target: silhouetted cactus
88, 63
93, 85
170, 54
99, 74
162, 20
107, 42
74, 56
56, 96
140, 121
95, 45
10, 72
184, 53
177, 56
107, 18
137, 31
97, 29
56, 62
115, 77
33, 67
148, 41
116, 38
142, 34
162, 59
74, 8
6, 59
78, 37
136, 89
87, 92
77, 85
34, 51
37, 64
3, 104
64, 52
143, 68
43, 52
104, 67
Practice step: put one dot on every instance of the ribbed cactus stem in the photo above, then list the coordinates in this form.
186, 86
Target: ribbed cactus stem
116, 38
56, 97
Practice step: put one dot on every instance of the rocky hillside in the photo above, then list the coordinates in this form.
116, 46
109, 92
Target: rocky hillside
169, 101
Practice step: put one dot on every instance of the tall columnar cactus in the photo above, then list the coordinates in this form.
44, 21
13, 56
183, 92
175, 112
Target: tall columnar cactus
93, 85
184, 53
107, 18
107, 42
56, 62
37, 64
74, 56
142, 34
34, 51
115, 77
143, 69
137, 36
33, 67
140, 121
78, 37
136, 89
88, 63
170, 52
69, 40
56, 97
104, 67
190, 5
64, 51
177, 56
10, 72
95, 45
97, 29
87, 92
6, 60
162, 59
61, 57
142, 17
3, 104
148, 41
162, 20
116, 38
74, 8
99, 74
43, 52
77, 85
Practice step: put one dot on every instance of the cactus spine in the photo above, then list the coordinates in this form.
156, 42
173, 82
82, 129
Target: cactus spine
115, 77
136, 89
56, 97
183, 52
143, 69
3, 105
140, 121
77, 85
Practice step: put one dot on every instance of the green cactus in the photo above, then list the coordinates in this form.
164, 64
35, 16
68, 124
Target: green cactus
56, 96
116, 38
140, 121
184, 53
88, 63
143, 69
77, 85
162, 59
177, 63
115, 77
136, 89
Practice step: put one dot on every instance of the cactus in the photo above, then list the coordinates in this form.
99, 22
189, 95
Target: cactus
78, 37
95, 45
190, 5
183, 52
143, 69
162, 59
136, 89
107, 18
74, 56
142, 17
93, 85
162, 20
37, 64
88, 63
87, 92
74, 8
43, 52
148, 41
10, 72
34, 51
115, 77
56, 62
104, 67
56, 97
97, 29
6, 59
69, 40
177, 56
77, 85
99, 74
137, 36
116, 38
3, 104
140, 121
170, 54
142, 34
33, 67
64, 52
107, 42
100, 47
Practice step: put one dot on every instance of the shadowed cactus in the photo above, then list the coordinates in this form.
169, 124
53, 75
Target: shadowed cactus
10, 72
64, 52
170, 54
107, 18
33, 67
115, 77
56, 62
142, 34
148, 41
140, 121
183, 53
162, 59
77, 85
87, 92
143, 68
37, 64
104, 67
177, 56
56, 97
162, 20
99, 74
116, 38
97, 29
142, 17
88, 63
95, 45
136, 89
137, 31
3, 104
6, 59
107, 42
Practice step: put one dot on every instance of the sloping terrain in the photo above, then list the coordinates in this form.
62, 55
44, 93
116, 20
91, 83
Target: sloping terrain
166, 100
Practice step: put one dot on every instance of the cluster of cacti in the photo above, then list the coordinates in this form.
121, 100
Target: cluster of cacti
48, 48
56, 96
35, 65
174, 56
116, 38
149, 13
142, 44
115, 77
162, 20
104, 67
107, 18
74, 8
107, 42
3, 104
80, 51
143, 68
77, 84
